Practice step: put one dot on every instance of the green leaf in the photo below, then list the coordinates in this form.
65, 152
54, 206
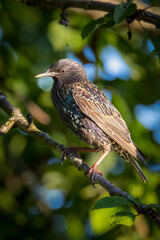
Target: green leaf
91, 27
124, 217
109, 21
154, 206
109, 202
105, 22
156, 44
135, 200
124, 10
100, 220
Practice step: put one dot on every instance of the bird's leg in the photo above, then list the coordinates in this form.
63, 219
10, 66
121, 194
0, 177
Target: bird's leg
93, 169
75, 150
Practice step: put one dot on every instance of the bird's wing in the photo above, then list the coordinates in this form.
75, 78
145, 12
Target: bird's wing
93, 103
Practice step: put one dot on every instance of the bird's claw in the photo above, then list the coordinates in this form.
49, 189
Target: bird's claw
91, 173
66, 152
64, 156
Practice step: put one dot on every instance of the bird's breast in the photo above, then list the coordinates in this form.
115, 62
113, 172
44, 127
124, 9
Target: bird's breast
67, 108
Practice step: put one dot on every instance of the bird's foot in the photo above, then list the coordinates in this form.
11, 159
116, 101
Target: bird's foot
91, 173
68, 151
76, 150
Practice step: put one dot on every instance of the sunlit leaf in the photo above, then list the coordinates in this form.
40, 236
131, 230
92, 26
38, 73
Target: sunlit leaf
124, 217
100, 220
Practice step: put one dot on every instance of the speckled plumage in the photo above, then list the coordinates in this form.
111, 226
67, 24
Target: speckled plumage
89, 114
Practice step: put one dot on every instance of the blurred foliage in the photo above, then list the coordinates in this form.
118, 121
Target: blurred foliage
39, 198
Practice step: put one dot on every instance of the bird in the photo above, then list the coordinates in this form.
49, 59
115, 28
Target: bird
88, 113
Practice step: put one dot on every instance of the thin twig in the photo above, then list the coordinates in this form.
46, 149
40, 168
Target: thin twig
75, 159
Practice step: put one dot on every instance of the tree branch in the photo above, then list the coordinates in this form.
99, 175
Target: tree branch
140, 15
31, 129
7, 126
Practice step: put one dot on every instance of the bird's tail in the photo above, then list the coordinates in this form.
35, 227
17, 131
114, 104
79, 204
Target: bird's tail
134, 163
140, 156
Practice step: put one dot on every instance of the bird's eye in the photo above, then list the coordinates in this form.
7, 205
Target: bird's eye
63, 70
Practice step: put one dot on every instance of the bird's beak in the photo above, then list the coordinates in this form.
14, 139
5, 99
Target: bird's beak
48, 73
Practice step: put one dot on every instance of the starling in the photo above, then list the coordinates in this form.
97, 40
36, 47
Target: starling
89, 114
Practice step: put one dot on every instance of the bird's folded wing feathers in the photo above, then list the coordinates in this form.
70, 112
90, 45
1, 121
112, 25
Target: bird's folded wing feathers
97, 107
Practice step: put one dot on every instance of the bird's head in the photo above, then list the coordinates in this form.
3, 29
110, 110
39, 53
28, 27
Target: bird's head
65, 71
